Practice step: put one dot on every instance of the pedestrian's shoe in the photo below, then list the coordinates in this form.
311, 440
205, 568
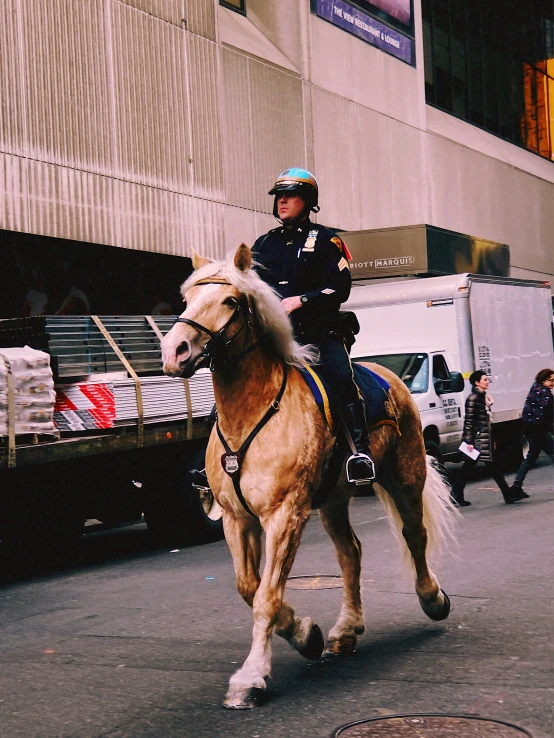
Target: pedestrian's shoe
517, 494
507, 493
360, 468
460, 502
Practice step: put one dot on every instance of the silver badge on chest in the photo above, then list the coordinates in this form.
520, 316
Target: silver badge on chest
310, 241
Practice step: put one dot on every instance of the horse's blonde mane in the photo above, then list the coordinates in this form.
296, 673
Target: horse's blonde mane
272, 323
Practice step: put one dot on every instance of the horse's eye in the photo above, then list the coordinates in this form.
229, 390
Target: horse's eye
231, 302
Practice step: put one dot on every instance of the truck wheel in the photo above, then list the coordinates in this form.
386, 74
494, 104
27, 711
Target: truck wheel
432, 449
112, 496
42, 519
177, 512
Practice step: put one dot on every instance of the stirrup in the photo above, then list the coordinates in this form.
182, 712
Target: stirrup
199, 478
368, 463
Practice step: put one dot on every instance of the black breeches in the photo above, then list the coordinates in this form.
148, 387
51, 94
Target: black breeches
335, 367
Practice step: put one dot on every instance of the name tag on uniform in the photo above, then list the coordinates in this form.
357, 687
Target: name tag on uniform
310, 241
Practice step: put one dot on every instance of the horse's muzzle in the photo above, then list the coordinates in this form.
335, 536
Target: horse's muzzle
175, 360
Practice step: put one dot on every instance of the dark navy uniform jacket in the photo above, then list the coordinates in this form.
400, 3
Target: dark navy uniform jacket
311, 261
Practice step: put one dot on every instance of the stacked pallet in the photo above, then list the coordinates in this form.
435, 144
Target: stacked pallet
26, 392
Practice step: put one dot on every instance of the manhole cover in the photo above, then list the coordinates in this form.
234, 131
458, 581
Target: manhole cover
430, 726
320, 581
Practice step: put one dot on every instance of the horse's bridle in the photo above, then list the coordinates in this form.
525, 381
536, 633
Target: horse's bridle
214, 349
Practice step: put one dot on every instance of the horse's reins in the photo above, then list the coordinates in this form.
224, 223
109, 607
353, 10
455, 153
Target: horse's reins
231, 461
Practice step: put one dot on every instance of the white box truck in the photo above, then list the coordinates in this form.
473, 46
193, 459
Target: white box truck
435, 331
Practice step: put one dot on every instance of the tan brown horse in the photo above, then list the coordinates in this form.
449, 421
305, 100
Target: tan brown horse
234, 321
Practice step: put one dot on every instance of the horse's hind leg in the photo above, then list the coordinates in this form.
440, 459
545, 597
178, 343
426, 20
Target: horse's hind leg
302, 634
283, 531
405, 485
343, 635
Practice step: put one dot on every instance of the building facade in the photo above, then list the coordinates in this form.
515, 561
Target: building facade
160, 125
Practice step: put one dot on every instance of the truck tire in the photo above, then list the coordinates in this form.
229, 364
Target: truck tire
176, 512
42, 517
432, 449
108, 489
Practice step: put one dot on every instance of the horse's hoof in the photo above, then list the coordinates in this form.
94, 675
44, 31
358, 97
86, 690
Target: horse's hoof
343, 646
246, 699
438, 613
314, 645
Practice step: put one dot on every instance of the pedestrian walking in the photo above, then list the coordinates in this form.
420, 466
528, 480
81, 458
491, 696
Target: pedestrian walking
307, 265
477, 435
538, 418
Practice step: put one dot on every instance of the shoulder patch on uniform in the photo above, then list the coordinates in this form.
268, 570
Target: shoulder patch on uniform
342, 247
343, 264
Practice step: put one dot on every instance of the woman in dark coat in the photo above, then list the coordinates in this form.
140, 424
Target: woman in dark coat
538, 416
477, 435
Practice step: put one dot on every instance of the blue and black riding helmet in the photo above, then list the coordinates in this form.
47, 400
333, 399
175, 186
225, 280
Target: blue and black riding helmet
297, 181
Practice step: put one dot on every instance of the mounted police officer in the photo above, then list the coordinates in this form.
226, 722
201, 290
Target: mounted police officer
307, 265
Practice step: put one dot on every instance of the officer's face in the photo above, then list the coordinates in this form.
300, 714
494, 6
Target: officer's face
290, 207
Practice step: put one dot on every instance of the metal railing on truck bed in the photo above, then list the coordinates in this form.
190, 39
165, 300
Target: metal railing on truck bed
110, 392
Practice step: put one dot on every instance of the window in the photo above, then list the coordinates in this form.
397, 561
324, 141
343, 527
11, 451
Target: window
395, 12
492, 64
237, 5
413, 369
440, 370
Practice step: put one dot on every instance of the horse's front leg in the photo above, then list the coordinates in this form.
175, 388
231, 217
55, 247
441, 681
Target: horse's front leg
283, 530
243, 538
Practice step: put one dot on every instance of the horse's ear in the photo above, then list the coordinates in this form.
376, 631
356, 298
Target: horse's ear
243, 258
198, 261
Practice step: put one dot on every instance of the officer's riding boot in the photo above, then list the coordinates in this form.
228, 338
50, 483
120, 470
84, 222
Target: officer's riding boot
199, 478
360, 468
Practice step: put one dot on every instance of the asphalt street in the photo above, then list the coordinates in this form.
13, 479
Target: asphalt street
140, 643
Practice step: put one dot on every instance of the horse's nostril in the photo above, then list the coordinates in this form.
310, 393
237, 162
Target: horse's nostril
183, 348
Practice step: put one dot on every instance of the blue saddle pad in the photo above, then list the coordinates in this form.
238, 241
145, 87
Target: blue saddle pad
374, 390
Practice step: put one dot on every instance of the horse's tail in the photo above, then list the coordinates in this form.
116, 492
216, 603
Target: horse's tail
439, 516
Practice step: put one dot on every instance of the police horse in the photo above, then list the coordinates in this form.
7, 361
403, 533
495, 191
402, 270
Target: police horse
267, 457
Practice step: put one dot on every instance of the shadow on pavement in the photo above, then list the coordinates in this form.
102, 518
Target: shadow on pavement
372, 657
